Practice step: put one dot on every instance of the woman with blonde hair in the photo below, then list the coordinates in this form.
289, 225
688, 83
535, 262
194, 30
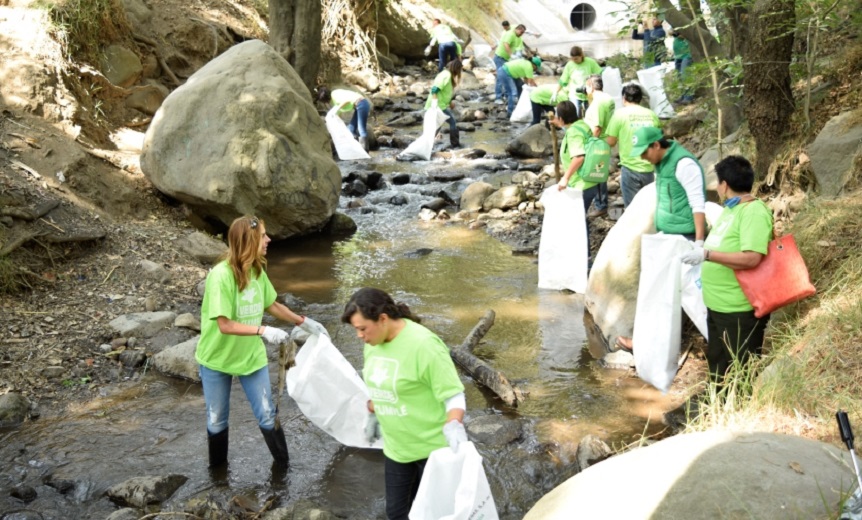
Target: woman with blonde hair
442, 91
237, 292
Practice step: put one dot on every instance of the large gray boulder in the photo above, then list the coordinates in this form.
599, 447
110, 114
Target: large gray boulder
533, 142
142, 324
834, 152
474, 196
612, 288
241, 136
708, 475
179, 360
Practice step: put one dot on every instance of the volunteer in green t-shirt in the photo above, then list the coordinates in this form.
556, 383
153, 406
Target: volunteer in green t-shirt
738, 240
445, 39
573, 153
510, 43
543, 99
574, 77
236, 294
635, 172
441, 94
598, 117
346, 101
514, 74
416, 397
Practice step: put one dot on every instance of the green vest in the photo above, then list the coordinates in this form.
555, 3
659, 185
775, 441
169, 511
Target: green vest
673, 214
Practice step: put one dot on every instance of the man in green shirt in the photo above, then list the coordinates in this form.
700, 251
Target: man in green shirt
574, 77
543, 99
599, 112
509, 44
442, 35
635, 173
514, 74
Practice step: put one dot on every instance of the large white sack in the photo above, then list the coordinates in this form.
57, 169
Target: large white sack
329, 392
346, 146
692, 296
454, 487
652, 79
612, 82
523, 111
658, 318
422, 147
563, 248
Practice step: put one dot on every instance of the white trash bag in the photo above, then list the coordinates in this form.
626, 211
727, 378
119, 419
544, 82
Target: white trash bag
692, 297
329, 392
454, 487
612, 82
652, 80
563, 248
658, 316
346, 146
523, 111
422, 147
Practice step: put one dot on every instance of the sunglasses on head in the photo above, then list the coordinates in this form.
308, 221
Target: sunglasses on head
254, 222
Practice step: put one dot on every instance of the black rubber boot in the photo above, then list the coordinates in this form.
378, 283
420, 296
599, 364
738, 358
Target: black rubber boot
363, 141
455, 138
218, 448
277, 444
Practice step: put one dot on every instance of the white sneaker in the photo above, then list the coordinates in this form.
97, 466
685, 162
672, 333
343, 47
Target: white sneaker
499, 102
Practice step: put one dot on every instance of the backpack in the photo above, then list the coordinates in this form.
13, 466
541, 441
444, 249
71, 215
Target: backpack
597, 158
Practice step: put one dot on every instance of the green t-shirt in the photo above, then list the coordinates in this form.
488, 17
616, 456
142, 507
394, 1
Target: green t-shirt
575, 75
441, 33
443, 82
573, 145
519, 69
744, 227
681, 48
623, 125
542, 95
515, 42
228, 353
350, 97
600, 111
409, 380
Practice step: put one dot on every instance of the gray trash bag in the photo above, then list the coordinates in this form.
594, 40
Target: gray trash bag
852, 509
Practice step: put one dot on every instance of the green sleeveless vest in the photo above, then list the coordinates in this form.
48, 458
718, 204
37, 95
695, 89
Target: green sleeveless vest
673, 214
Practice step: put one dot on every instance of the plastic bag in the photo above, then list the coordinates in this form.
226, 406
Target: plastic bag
329, 392
523, 111
563, 245
613, 84
454, 487
657, 330
422, 147
652, 79
692, 297
346, 146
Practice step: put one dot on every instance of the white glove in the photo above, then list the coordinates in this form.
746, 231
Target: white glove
427, 50
698, 243
372, 428
274, 336
554, 98
312, 327
455, 434
693, 257
517, 55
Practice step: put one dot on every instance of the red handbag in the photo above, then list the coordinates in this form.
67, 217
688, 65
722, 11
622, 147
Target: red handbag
780, 279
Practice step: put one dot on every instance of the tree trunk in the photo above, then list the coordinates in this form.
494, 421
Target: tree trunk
768, 96
294, 31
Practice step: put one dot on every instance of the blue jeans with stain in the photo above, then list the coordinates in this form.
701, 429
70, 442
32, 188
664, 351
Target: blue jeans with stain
217, 397
359, 121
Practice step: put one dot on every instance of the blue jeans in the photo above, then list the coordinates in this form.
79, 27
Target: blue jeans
581, 105
498, 85
453, 126
360, 118
402, 483
601, 196
588, 195
217, 397
511, 89
631, 183
446, 52
680, 66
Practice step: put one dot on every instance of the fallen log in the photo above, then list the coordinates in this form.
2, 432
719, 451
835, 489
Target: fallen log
481, 371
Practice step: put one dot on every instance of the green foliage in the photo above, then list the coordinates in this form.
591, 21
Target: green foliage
473, 13
85, 26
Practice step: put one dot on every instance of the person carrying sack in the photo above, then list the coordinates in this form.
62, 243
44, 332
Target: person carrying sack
442, 35
346, 101
442, 91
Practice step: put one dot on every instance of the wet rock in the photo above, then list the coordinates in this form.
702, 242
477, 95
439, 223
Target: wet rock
418, 253
154, 271
141, 491
398, 200
435, 204
466, 115
474, 196
533, 142
62, 485
494, 430
126, 513
468, 153
591, 450
142, 324
447, 175
524, 176
426, 214
506, 197
23, 492
340, 225
179, 360
13, 409
132, 358
466, 127
202, 247
406, 120
355, 188
189, 321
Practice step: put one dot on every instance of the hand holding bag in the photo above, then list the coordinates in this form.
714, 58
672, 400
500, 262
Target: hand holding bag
780, 279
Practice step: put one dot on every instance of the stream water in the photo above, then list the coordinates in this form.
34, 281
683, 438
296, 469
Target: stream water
450, 275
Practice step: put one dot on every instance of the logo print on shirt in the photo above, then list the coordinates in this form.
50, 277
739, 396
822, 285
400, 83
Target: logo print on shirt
249, 294
381, 381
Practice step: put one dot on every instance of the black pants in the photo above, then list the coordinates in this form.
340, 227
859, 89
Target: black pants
732, 335
539, 111
402, 483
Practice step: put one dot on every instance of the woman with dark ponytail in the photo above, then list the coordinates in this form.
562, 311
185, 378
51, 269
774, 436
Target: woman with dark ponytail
416, 395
